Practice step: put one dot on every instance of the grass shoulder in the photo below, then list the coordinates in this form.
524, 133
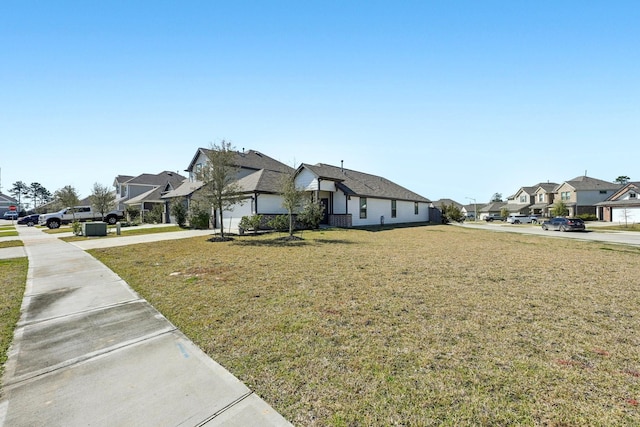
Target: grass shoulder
13, 277
11, 244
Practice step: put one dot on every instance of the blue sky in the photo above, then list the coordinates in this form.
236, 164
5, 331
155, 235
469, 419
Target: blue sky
451, 99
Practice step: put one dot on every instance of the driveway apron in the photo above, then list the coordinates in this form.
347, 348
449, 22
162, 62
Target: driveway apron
88, 351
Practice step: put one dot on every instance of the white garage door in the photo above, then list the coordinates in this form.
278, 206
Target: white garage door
632, 215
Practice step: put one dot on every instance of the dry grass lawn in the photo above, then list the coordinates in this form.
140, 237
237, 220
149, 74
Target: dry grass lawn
437, 325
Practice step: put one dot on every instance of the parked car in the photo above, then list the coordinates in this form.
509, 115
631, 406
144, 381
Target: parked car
10, 215
494, 217
519, 219
29, 220
564, 224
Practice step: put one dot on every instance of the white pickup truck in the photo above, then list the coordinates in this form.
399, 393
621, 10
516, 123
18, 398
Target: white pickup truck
79, 213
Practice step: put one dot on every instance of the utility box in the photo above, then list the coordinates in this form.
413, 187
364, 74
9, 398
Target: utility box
94, 229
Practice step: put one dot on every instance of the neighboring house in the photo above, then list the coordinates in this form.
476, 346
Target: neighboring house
144, 191
493, 208
438, 208
352, 198
583, 193
7, 201
258, 177
543, 199
472, 210
448, 202
520, 202
623, 206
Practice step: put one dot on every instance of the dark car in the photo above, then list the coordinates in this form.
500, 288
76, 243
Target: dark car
494, 217
564, 224
29, 220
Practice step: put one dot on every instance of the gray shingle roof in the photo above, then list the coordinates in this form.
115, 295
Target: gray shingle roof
251, 160
173, 178
585, 183
262, 181
363, 184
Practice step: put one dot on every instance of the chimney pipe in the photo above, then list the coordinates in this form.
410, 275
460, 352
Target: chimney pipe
342, 165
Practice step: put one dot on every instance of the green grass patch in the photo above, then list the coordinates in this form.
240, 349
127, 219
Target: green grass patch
13, 278
11, 244
429, 325
9, 233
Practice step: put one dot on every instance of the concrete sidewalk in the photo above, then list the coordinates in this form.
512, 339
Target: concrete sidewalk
89, 351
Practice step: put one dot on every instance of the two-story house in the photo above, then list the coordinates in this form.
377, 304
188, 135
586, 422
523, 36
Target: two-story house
623, 206
145, 190
583, 193
543, 199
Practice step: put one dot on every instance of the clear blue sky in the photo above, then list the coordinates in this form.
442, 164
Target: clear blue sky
451, 99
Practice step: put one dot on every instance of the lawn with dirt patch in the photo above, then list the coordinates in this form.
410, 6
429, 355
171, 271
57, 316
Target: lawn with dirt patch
435, 325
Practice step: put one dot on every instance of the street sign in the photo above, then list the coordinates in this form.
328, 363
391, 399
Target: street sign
13, 208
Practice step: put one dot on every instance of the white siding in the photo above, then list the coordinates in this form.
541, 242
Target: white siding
340, 203
377, 208
306, 180
270, 204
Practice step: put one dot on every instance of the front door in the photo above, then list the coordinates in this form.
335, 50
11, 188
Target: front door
325, 211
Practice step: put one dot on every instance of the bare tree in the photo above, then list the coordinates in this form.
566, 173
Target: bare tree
292, 197
102, 199
219, 175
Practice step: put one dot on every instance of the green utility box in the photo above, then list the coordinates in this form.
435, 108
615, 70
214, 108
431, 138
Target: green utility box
94, 229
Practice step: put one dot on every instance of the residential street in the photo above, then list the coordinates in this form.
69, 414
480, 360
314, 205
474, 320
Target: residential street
592, 234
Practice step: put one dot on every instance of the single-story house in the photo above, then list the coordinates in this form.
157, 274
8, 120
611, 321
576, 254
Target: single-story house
352, 198
492, 208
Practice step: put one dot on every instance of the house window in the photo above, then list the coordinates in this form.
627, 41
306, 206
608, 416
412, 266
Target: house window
363, 207
523, 199
603, 191
541, 197
415, 208
565, 195
632, 195
394, 211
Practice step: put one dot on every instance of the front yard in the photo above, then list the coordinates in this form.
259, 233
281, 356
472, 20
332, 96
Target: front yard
435, 325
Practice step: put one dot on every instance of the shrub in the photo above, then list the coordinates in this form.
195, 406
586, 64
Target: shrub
179, 212
279, 222
252, 222
154, 216
199, 219
133, 213
77, 228
311, 215
588, 217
